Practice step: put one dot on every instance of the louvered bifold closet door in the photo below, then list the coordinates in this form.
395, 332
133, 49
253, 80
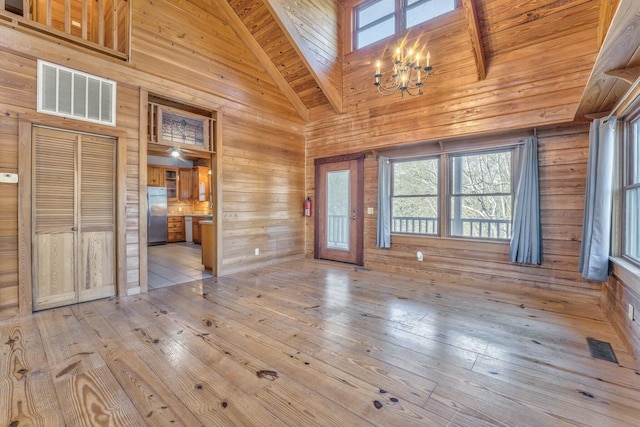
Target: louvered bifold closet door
97, 218
54, 217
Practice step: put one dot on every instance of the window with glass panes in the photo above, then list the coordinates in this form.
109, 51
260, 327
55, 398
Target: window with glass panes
378, 19
632, 191
481, 195
414, 196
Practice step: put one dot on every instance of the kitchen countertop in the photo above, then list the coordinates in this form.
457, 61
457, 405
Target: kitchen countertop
197, 215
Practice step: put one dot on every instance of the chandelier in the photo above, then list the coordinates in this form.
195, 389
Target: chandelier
407, 75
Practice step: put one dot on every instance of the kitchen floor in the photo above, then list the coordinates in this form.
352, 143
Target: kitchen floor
175, 263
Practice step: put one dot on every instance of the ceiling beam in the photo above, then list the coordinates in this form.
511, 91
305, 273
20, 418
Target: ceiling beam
307, 56
614, 67
247, 38
607, 10
476, 38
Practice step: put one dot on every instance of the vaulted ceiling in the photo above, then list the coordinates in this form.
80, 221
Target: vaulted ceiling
300, 45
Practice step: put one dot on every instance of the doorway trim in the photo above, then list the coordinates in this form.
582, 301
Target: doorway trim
215, 190
359, 157
25, 226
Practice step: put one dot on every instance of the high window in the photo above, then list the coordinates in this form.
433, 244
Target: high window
631, 234
378, 19
478, 189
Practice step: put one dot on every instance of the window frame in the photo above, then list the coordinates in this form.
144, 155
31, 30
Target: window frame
400, 20
438, 194
450, 193
445, 184
631, 142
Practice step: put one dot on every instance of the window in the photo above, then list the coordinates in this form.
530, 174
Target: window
481, 195
376, 20
414, 196
631, 234
466, 194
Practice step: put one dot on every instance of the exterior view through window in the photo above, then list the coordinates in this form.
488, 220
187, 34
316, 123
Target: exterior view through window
478, 188
481, 195
414, 198
376, 20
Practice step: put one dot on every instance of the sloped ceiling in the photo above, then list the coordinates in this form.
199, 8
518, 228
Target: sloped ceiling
299, 42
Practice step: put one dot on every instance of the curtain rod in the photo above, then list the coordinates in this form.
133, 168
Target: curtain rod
622, 100
387, 152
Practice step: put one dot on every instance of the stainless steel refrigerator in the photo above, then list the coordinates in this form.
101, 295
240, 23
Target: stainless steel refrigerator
156, 216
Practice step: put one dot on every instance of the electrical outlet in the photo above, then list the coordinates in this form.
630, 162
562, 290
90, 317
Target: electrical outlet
630, 312
257, 251
370, 211
420, 256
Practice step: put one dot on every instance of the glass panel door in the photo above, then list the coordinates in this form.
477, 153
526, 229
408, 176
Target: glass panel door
338, 202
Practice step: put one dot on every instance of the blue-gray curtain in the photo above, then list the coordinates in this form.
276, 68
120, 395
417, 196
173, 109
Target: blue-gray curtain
526, 237
383, 237
596, 224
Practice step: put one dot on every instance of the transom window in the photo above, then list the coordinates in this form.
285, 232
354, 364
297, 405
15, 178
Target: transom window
378, 19
478, 188
632, 192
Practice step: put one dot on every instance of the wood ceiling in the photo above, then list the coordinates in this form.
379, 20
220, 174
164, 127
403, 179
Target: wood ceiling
300, 45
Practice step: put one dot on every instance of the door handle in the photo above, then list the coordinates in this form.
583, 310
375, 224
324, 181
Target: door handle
353, 217
74, 228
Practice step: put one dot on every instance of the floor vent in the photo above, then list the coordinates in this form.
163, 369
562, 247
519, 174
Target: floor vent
601, 350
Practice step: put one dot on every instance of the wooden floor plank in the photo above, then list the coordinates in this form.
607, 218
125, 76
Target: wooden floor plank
87, 390
317, 343
27, 395
204, 391
142, 383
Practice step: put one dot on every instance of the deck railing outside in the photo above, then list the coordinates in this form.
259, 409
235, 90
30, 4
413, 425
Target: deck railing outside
476, 228
338, 228
101, 25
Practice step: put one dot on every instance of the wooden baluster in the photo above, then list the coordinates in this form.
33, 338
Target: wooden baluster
100, 23
26, 9
2, 5
114, 26
48, 13
67, 16
85, 21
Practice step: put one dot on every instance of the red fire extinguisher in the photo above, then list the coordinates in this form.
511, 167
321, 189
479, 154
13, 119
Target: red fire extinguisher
307, 207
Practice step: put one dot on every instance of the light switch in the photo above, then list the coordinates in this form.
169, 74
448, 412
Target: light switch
370, 211
9, 178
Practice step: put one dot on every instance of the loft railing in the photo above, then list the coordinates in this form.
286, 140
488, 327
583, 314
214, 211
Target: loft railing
100, 25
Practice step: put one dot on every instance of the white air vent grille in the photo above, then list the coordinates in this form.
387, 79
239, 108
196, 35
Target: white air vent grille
70, 93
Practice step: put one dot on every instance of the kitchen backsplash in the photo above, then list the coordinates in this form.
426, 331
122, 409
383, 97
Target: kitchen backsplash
185, 208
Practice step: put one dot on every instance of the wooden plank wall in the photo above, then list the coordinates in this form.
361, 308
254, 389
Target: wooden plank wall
562, 162
190, 55
536, 84
619, 291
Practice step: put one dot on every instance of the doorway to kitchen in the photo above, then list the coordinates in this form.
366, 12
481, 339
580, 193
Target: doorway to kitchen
181, 163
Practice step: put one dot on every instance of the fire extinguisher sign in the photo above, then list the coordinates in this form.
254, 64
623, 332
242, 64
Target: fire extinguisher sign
307, 207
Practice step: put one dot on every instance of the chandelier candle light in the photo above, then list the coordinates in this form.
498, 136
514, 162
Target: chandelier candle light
407, 74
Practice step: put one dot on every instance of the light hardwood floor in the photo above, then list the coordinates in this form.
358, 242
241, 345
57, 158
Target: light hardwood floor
174, 263
310, 343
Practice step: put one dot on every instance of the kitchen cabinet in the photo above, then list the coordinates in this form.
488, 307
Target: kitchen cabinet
208, 244
196, 229
171, 182
185, 184
155, 176
201, 176
175, 225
